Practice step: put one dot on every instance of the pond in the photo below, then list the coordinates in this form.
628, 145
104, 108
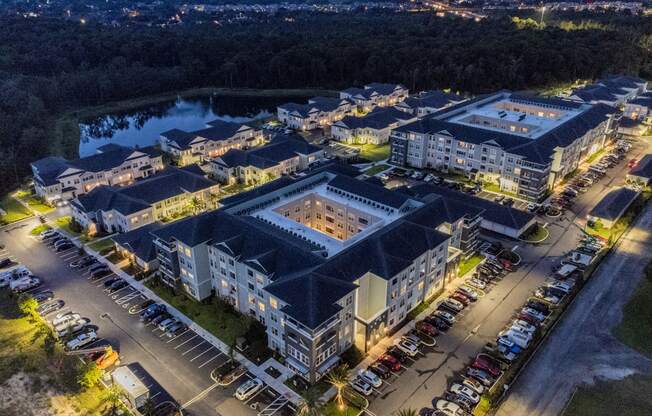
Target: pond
143, 126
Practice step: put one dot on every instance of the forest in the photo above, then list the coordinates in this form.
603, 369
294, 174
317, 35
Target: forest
50, 66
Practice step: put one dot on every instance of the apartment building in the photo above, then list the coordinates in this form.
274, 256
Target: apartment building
614, 90
428, 102
324, 262
283, 155
524, 144
166, 194
215, 140
56, 178
318, 112
373, 128
375, 95
639, 108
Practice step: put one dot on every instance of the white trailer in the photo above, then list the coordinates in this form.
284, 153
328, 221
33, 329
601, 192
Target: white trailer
135, 391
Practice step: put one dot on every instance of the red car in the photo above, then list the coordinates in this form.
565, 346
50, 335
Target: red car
486, 363
427, 328
458, 296
529, 319
390, 362
632, 163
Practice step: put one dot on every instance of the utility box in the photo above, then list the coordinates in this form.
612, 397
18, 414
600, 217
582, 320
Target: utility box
135, 391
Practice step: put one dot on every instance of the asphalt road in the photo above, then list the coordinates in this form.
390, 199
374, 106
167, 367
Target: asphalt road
174, 369
429, 376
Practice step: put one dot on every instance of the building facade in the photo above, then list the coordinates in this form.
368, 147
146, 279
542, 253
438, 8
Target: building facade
374, 95
373, 128
318, 112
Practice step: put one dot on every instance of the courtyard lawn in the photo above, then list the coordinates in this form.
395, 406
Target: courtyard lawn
65, 224
218, 318
236, 188
372, 152
103, 246
495, 188
635, 328
535, 234
331, 409
631, 396
38, 206
595, 155
15, 211
468, 264
39, 229
376, 169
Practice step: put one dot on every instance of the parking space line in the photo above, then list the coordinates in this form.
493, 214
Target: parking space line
209, 360
186, 341
114, 295
202, 341
181, 334
197, 356
257, 393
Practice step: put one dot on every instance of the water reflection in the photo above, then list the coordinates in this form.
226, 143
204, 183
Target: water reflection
143, 126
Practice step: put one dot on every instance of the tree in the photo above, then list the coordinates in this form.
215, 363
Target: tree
90, 375
112, 396
27, 305
407, 412
311, 404
339, 378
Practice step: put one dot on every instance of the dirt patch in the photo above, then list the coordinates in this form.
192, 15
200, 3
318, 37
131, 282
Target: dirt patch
28, 395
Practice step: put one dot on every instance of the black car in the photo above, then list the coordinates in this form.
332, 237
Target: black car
118, 285
395, 352
111, 281
539, 306
100, 273
151, 311
83, 262
44, 296
54, 240
380, 370
145, 304
6, 262
65, 246
176, 329
437, 322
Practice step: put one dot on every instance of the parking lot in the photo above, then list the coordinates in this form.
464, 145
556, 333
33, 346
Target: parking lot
176, 369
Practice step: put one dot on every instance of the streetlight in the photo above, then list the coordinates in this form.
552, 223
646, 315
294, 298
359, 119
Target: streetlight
543, 11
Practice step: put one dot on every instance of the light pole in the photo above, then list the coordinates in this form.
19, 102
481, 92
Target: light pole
543, 11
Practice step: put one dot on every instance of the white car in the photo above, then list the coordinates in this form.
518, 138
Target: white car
446, 316
81, 340
517, 338
521, 330
475, 282
528, 327
449, 408
27, 284
534, 313
47, 233
452, 304
465, 391
361, 387
468, 292
248, 389
474, 384
61, 318
564, 286
370, 378
407, 346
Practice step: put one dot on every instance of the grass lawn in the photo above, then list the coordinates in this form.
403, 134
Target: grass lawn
102, 246
38, 206
635, 328
22, 351
536, 233
64, 223
494, 187
599, 230
631, 396
469, 264
376, 169
39, 229
372, 152
236, 188
595, 155
220, 319
15, 211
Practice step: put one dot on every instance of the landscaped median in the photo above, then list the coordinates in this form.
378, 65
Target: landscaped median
69, 225
535, 234
469, 264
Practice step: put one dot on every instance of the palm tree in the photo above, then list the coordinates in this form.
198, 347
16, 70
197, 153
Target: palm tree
113, 398
310, 405
339, 378
407, 412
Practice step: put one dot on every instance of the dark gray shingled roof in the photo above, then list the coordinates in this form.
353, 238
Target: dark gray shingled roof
143, 193
281, 148
612, 205
379, 118
643, 168
491, 211
432, 99
370, 191
108, 160
139, 241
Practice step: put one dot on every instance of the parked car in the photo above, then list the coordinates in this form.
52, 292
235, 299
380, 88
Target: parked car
543, 293
176, 329
361, 386
534, 313
47, 308
47, 234
390, 362
120, 284
66, 246
83, 262
165, 324
465, 391
160, 318
151, 311
248, 389
31, 283
100, 273
515, 337
6, 262
447, 317
71, 326
476, 282
452, 304
468, 292
438, 322
109, 282
44, 296
407, 346
380, 370
486, 363
449, 408
539, 306
525, 326
427, 328
97, 266
480, 375
81, 340
397, 353
459, 296
474, 384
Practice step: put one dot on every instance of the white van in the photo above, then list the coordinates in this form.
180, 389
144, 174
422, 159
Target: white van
517, 338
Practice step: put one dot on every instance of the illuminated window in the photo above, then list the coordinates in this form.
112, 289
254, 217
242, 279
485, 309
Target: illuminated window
188, 253
261, 306
273, 303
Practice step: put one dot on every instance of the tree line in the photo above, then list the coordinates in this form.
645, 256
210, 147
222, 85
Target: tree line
48, 66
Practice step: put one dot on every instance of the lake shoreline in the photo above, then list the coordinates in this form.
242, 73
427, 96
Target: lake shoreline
66, 140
